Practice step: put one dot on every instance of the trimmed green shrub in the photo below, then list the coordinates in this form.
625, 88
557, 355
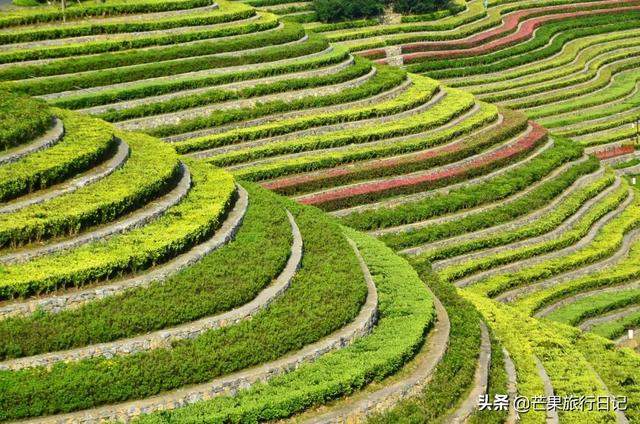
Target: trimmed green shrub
21, 119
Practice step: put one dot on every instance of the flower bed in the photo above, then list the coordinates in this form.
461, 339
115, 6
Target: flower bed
512, 123
513, 23
367, 192
525, 31
612, 152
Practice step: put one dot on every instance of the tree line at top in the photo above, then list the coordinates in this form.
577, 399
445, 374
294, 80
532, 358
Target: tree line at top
341, 10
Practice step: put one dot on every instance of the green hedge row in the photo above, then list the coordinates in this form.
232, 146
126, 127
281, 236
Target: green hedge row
98, 28
497, 188
405, 313
591, 306
279, 167
569, 206
622, 85
454, 375
584, 71
441, 113
625, 271
500, 214
150, 63
151, 170
607, 241
382, 81
221, 281
265, 23
38, 16
513, 123
86, 143
597, 81
577, 232
191, 221
614, 329
22, 119
179, 83
360, 68
326, 294
385, 79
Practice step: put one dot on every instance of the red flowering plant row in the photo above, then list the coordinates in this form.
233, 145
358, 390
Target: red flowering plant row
368, 192
512, 123
509, 24
525, 31
373, 54
616, 151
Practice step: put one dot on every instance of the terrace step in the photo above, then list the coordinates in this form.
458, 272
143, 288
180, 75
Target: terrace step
490, 82
95, 174
231, 383
321, 130
61, 301
48, 61
480, 380
136, 219
368, 101
175, 118
547, 310
292, 181
590, 87
627, 241
527, 219
193, 74
233, 86
551, 81
48, 139
483, 208
421, 196
517, 265
514, 25
614, 315
371, 187
362, 406
164, 339
55, 42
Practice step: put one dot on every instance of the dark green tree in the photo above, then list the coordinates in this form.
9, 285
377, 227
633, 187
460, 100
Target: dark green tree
341, 10
420, 6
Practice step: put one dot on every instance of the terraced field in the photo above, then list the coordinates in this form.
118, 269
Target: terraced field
464, 225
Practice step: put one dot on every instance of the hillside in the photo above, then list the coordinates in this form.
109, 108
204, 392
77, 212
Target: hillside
225, 211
